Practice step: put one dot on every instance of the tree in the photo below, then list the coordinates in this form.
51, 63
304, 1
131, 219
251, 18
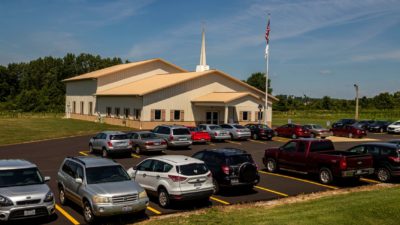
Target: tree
384, 101
257, 80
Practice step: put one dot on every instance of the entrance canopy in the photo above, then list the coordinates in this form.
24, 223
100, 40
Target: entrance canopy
223, 98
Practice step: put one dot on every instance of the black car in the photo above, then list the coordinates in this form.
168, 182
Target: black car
379, 126
395, 141
364, 124
260, 131
343, 122
230, 167
386, 158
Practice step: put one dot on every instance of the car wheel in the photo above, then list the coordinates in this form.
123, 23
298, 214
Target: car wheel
312, 135
91, 149
271, 165
61, 196
294, 136
137, 150
216, 186
350, 135
383, 175
104, 153
325, 175
255, 136
88, 213
163, 198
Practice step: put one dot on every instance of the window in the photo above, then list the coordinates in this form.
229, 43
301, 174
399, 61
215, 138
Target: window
116, 112
90, 109
193, 169
108, 109
82, 105
290, 147
73, 107
145, 166
245, 116
161, 167
126, 112
157, 114
181, 131
176, 115
137, 113
260, 115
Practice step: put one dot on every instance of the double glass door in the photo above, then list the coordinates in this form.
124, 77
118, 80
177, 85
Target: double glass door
212, 117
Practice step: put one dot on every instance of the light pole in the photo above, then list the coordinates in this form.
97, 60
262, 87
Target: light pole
356, 87
259, 114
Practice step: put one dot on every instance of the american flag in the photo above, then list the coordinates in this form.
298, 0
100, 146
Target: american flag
267, 38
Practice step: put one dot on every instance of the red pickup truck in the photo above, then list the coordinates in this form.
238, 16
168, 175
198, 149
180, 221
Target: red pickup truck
318, 156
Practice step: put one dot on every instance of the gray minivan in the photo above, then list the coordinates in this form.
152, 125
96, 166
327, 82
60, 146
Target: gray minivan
110, 142
175, 135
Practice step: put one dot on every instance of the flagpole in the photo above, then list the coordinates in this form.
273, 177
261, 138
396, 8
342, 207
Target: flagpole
266, 75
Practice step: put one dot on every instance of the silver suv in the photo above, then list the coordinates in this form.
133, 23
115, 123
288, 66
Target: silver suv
23, 192
174, 177
175, 135
110, 142
101, 186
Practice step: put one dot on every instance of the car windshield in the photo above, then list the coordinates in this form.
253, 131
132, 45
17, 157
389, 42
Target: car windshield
20, 177
239, 159
147, 135
263, 126
215, 127
181, 131
239, 126
316, 126
105, 174
193, 169
119, 137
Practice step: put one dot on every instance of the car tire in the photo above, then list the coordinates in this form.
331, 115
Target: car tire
137, 150
325, 175
104, 153
88, 215
255, 136
294, 136
163, 198
271, 165
350, 135
216, 186
91, 149
61, 196
383, 174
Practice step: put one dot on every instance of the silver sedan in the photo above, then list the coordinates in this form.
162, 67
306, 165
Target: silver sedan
237, 131
146, 141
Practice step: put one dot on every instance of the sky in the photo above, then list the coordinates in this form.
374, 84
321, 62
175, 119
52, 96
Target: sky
317, 48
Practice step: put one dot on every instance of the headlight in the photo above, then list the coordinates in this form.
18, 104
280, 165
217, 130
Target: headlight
5, 201
49, 197
142, 194
101, 199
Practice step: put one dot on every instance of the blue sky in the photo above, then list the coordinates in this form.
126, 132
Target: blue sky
317, 48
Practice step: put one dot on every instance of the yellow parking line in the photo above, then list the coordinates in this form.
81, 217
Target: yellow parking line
370, 181
83, 153
136, 156
257, 141
298, 179
219, 200
154, 210
280, 139
233, 142
67, 215
272, 191
212, 144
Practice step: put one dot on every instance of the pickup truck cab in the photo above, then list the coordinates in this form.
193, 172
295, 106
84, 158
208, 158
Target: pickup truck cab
318, 156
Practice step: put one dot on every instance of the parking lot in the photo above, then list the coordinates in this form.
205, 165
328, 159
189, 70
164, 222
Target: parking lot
48, 155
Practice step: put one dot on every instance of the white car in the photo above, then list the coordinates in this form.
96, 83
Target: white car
394, 127
174, 177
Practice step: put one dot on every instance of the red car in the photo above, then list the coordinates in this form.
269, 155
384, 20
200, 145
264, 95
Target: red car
349, 131
292, 130
199, 136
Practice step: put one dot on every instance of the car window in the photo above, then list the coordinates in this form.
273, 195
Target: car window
106, 174
103, 136
180, 131
155, 130
79, 172
214, 127
119, 137
192, 169
198, 155
72, 169
67, 169
290, 147
99, 135
321, 146
145, 166
358, 149
161, 167
146, 135
374, 150
301, 147
239, 126
136, 136
212, 158
239, 159
388, 151
165, 130
225, 126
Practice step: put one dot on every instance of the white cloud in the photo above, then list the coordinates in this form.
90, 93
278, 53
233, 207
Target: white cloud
391, 55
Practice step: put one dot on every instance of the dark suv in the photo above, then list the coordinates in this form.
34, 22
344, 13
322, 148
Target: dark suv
343, 122
386, 158
260, 131
230, 167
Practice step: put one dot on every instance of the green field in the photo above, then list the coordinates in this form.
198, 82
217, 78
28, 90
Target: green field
366, 207
39, 127
322, 116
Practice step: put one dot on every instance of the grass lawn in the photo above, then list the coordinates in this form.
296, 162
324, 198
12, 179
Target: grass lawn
367, 207
23, 129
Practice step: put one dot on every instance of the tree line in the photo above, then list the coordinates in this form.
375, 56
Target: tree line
36, 86
382, 101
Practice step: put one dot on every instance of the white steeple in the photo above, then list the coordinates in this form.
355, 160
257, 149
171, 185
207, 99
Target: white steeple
203, 64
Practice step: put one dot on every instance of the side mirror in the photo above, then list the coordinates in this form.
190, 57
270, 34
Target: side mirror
46, 179
79, 180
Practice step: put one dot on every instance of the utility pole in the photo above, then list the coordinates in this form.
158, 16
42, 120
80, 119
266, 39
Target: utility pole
356, 87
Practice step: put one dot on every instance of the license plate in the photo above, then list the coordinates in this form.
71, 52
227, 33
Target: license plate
157, 143
197, 184
29, 212
127, 208
234, 181
183, 139
360, 172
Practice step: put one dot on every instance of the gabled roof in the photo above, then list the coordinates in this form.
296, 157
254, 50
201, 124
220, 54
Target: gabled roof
158, 82
223, 97
119, 68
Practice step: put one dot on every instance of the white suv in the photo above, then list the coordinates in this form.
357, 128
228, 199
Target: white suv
394, 127
174, 177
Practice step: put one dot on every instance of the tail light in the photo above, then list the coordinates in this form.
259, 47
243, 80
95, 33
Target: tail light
225, 169
216, 134
109, 144
163, 142
343, 164
300, 130
149, 143
171, 137
394, 159
209, 175
176, 178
